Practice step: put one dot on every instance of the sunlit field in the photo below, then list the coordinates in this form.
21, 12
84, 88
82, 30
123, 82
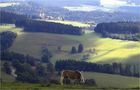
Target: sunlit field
12, 28
6, 4
74, 23
106, 50
109, 49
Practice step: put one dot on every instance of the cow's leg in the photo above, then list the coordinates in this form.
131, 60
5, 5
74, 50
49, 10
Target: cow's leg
82, 80
61, 80
76, 81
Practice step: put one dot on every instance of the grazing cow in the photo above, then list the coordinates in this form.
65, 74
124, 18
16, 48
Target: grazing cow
70, 74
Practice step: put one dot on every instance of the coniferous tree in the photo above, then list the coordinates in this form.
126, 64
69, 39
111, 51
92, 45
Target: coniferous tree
46, 55
73, 50
80, 48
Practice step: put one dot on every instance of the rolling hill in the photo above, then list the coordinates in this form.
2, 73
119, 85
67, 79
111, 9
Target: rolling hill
107, 50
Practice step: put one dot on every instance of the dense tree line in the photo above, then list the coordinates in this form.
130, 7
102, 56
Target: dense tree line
12, 56
24, 66
114, 68
28, 68
10, 18
50, 27
132, 37
38, 26
120, 30
6, 39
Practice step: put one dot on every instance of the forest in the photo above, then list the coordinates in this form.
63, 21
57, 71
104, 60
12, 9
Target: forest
114, 68
49, 27
31, 25
120, 30
28, 68
7, 38
10, 18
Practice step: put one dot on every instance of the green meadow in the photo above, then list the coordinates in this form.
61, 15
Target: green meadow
106, 51
27, 86
102, 81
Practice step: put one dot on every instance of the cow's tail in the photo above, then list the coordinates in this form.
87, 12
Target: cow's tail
82, 78
61, 78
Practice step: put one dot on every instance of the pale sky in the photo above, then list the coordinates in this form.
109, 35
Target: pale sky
107, 5
116, 3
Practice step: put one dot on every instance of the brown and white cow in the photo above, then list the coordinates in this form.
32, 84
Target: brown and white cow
73, 75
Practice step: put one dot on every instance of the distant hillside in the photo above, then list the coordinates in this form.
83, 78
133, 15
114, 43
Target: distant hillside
131, 9
11, 18
62, 3
38, 26
56, 10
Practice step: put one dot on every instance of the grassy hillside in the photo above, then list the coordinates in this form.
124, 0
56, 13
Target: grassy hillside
109, 80
107, 50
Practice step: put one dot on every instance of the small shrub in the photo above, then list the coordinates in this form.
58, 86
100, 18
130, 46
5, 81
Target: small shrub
45, 84
35, 89
90, 82
53, 81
